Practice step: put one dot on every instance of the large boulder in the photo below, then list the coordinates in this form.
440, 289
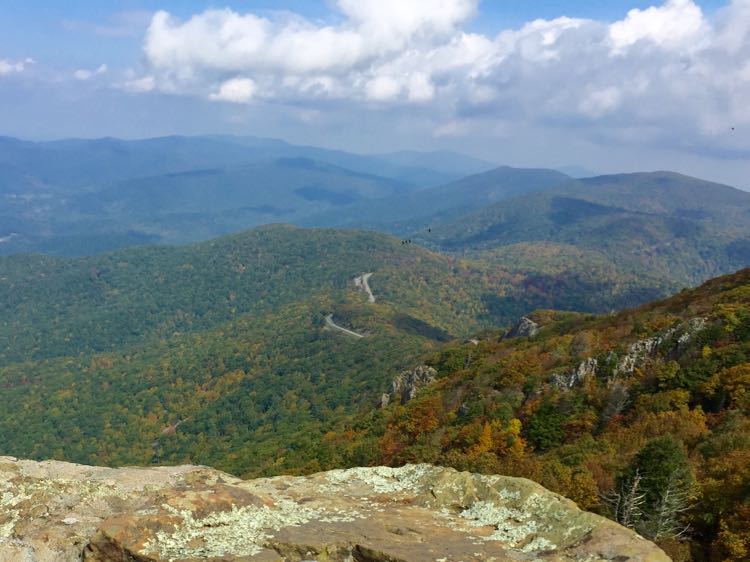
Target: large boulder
60, 512
524, 328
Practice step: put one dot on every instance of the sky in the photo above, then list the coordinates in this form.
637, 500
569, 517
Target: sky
611, 86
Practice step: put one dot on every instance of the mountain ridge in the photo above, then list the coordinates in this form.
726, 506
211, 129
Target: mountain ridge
584, 404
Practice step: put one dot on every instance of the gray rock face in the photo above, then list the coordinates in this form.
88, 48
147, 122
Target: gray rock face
407, 384
637, 353
586, 369
640, 350
524, 328
62, 512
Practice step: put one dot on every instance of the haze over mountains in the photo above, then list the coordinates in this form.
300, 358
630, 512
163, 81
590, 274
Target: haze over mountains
80, 197
262, 352
84, 196
486, 250
619, 235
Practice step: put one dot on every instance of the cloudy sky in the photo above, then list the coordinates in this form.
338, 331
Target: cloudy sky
611, 86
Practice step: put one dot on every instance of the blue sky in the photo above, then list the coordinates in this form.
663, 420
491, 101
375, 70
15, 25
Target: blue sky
665, 86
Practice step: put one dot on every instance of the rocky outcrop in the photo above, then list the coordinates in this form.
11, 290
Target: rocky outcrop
61, 512
586, 369
641, 350
407, 384
635, 355
524, 328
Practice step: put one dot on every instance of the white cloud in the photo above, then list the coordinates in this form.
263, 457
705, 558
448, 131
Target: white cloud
237, 90
678, 24
668, 69
140, 85
84, 74
397, 21
8, 67
601, 102
383, 88
421, 88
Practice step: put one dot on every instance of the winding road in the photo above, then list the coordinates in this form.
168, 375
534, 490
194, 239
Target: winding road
361, 282
331, 324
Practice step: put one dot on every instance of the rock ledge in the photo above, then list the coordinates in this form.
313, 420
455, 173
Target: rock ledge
55, 511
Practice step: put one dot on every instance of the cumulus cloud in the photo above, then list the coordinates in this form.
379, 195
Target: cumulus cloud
678, 24
237, 90
84, 74
667, 70
13, 67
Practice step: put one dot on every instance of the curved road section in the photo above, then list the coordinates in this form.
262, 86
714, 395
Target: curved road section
331, 324
362, 282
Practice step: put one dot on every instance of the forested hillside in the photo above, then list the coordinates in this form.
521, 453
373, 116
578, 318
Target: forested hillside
672, 227
52, 306
411, 213
99, 355
642, 415
220, 353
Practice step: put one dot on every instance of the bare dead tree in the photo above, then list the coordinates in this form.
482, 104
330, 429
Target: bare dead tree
664, 522
626, 504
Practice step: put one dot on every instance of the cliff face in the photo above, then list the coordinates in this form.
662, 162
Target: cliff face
407, 384
54, 511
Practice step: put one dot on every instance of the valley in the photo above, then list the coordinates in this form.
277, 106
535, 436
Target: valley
274, 350
375, 281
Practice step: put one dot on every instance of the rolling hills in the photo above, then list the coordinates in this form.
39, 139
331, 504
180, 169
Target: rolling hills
119, 347
407, 213
675, 228
80, 197
219, 353
226, 352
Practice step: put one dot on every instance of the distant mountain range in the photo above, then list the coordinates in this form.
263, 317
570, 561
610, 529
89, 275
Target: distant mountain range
78, 197
82, 197
674, 227
409, 212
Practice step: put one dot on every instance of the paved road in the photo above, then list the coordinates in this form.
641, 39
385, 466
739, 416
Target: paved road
362, 283
331, 324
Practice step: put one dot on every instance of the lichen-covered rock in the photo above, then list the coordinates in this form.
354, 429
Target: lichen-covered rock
407, 384
411, 514
50, 510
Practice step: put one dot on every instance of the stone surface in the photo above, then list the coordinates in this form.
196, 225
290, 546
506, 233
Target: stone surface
641, 350
586, 369
524, 328
407, 384
64, 512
